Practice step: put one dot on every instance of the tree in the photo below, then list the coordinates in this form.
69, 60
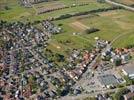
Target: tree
6, 8
91, 30
101, 1
32, 83
118, 62
59, 57
120, 93
60, 24
89, 98
59, 91
128, 80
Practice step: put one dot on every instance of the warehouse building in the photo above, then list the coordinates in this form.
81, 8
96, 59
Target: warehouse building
108, 80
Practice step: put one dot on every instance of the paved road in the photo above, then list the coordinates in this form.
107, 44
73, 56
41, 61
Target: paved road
121, 5
82, 96
89, 70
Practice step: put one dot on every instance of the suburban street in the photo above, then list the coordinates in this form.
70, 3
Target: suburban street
81, 96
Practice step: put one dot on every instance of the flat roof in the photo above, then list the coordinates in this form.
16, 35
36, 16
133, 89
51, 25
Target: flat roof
108, 79
129, 69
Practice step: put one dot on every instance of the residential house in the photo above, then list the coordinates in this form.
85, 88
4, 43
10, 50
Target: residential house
125, 57
73, 75
128, 70
129, 96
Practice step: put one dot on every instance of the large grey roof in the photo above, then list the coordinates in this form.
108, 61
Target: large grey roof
108, 79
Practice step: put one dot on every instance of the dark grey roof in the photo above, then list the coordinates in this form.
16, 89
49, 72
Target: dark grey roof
108, 79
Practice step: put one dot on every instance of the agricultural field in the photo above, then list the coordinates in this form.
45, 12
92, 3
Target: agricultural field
116, 26
62, 49
127, 2
17, 12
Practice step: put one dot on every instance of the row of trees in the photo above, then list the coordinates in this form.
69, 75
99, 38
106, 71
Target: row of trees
86, 12
130, 46
59, 8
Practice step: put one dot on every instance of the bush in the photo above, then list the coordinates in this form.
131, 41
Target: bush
6, 8
92, 30
118, 62
120, 93
129, 81
64, 16
120, 86
60, 24
130, 46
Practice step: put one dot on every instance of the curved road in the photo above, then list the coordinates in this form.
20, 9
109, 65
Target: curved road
119, 4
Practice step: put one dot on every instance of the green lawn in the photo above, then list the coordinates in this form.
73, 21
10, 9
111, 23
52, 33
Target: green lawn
127, 2
123, 41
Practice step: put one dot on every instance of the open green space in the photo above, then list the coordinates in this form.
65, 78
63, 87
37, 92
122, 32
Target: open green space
125, 40
17, 12
112, 24
12, 11
127, 2
116, 25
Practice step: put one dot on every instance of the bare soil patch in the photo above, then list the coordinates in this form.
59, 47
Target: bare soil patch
79, 25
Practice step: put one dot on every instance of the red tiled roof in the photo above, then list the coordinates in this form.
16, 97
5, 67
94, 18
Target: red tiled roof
129, 95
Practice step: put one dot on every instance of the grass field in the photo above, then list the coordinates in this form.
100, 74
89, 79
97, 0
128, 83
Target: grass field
17, 12
111, 24
127, 2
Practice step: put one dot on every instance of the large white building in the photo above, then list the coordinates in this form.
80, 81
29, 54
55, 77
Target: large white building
128, 70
